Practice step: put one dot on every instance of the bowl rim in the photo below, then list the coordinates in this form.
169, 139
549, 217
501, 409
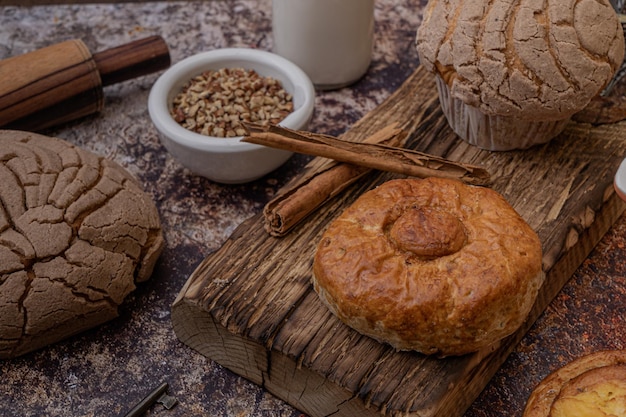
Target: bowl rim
179, 73
619, 180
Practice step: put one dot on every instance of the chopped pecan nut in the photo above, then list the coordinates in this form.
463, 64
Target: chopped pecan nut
215, 103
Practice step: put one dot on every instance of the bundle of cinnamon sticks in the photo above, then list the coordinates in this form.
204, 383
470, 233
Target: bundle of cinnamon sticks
348, 161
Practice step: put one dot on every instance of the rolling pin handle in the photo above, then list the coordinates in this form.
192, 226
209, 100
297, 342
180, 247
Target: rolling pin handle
131, 60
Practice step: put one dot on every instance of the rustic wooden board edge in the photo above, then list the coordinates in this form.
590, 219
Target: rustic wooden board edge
317, 396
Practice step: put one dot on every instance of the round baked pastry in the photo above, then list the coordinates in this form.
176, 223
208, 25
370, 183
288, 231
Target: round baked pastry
510, 74
431, 265
590, 386
76, 233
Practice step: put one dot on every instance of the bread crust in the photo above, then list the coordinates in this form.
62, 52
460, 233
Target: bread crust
76, 234
592, 385
431, 265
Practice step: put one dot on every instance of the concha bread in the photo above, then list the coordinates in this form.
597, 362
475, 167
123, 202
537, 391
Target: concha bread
522, 60
76, 233
590, 386
533, 60
431, 265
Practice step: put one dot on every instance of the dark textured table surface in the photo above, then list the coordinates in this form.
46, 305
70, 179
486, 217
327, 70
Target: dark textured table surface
105, 371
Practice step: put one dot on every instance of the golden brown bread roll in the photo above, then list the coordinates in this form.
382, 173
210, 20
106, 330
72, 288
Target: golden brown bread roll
511, 73
431, 265
76, 234
590, 386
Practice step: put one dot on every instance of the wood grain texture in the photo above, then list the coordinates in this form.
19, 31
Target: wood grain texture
250, 305
62, 82
48, 86
133, 59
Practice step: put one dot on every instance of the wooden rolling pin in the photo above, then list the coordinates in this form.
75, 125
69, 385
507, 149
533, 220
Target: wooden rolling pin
63, 82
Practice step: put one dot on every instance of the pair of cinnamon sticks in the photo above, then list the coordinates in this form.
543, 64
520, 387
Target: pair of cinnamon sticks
348, 161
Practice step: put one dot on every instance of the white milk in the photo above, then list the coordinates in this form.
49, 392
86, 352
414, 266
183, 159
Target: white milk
331, 40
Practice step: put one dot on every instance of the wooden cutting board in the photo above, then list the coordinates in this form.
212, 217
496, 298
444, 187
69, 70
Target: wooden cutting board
250, 305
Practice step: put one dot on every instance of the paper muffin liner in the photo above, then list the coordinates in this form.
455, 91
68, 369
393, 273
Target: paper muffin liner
493, 132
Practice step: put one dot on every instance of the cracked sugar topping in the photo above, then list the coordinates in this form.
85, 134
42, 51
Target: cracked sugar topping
76, 234
529, 59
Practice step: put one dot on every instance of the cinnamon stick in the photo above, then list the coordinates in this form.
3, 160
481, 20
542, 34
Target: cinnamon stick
304, 196
370, 155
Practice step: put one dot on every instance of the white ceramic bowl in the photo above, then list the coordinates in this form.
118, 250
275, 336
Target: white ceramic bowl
228, 160
619, 181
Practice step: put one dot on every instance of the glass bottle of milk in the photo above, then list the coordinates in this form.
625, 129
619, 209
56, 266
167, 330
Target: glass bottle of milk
331, 40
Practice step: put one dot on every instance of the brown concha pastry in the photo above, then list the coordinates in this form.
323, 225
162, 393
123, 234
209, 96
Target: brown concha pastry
76, 233
510, 74
431, 265
590, 386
